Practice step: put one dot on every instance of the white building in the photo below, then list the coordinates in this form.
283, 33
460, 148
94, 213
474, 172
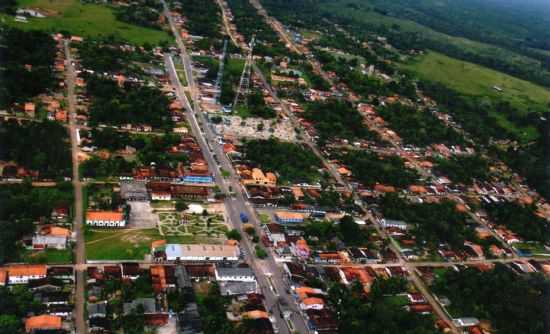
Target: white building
105, 219
393, 223
51, 237
234, 274
161, 196
201, 252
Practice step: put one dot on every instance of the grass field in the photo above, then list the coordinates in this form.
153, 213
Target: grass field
129, 244
119, 244
372, 18
471, 79
85, 20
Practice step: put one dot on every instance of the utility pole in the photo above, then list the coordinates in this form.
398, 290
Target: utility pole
220, 72
244, 84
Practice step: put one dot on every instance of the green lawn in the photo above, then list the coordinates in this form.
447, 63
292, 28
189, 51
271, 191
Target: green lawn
51, 256
119, 244
88, 20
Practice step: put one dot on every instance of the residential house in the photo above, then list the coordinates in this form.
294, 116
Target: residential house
65, 274
387, 223
3, 276
161, 196
51, 237
23, 273
287, 217
43, 323
153, 313
275, 233
97, 309
190, 192
105, 219
300, 249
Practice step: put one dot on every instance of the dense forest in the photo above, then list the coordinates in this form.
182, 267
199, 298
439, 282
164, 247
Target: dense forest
376, 313
107, 55
39, 146
521, 220
132, 104
390, 19
433, 223
370, 168
323, 232
337, 119
292, 162
418, 127
203, 18
145, 13
16, 223
250, 23
463, 169
513, 304
27, 65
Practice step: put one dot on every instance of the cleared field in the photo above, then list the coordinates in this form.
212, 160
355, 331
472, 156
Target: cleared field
85, 20
368, 17
119, 244
472, 79
475, 80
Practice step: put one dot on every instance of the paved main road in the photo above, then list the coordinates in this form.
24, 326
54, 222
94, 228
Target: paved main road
78, 212
268, 273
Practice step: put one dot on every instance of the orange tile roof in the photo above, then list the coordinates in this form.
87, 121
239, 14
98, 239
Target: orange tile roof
313, 301
29, 107
27, 270
158, 243
384, 189
57, 231
3, 276
256, 314
290, 215
43, 322
104, 215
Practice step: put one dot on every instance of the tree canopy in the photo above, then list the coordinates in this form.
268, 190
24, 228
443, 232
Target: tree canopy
512, 303
520, 219
337, 119
370, 168
292, 162
39, 146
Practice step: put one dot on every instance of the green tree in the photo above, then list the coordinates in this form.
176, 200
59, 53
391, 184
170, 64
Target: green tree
9, 324
233, 234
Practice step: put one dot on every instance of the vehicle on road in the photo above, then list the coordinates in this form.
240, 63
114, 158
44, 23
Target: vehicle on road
244, 217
